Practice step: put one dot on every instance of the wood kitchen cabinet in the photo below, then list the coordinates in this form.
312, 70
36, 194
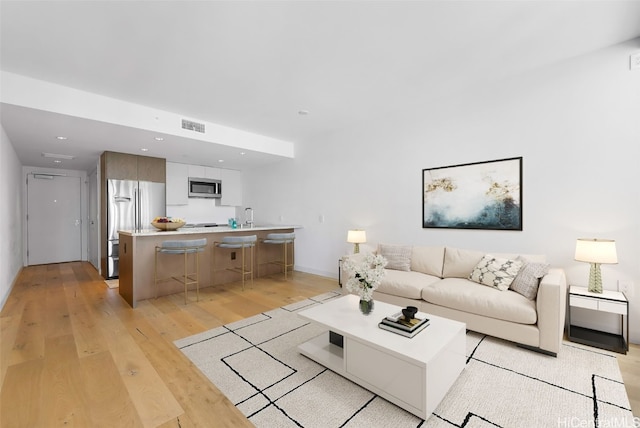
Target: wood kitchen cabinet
123, 166
120, 166
152, 169
138, 252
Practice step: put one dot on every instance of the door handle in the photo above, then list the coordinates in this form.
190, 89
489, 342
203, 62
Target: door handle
136, 208
139, 210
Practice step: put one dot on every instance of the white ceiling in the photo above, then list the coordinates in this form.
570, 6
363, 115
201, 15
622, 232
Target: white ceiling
253, 65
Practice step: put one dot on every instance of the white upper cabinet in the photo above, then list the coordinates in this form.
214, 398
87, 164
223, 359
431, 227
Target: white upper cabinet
196, 171
178, 183
213, 173
231, 187
199, 171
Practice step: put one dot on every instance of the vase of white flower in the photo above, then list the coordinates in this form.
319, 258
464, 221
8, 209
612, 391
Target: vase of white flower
365, 276
366, 306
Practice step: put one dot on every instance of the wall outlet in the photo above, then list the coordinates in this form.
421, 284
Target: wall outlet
321, 218
634, 61
281, 218
626, 287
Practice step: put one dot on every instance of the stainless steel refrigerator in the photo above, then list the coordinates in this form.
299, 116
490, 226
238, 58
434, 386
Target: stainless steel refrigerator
132, 206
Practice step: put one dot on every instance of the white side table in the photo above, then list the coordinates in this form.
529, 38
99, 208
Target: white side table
607, 301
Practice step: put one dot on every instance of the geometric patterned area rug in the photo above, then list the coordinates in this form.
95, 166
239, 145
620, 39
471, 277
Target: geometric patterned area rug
256, 364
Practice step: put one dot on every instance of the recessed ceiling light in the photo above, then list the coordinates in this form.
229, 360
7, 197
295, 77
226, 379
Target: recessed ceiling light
57, 156
220, 160
60, 137
145, 150
159, 139
303, 112
57, 161
242, 153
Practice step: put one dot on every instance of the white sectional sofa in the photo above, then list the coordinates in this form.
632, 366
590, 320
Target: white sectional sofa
437, 281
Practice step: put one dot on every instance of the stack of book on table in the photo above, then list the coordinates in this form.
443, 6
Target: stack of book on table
399, 325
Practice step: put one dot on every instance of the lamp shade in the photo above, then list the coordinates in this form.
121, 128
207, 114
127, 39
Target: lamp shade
596, 251
357, 236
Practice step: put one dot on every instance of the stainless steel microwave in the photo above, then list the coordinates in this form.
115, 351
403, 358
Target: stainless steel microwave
204, 188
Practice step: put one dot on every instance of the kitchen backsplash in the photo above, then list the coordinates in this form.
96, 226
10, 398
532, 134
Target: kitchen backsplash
200, 210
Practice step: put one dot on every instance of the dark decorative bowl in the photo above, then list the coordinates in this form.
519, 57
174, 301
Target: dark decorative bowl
409, 312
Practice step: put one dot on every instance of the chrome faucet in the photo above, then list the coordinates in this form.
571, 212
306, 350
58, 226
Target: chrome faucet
248, 216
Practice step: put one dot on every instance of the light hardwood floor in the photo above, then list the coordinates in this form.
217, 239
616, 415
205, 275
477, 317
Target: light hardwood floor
73, 353
630, 369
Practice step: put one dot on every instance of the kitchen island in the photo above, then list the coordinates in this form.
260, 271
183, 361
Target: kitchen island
137, 253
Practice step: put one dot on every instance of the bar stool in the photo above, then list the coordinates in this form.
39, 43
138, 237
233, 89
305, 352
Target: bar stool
182, 247
242, 243
283, 239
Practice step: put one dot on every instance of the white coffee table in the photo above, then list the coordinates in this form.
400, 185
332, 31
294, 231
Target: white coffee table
413, 373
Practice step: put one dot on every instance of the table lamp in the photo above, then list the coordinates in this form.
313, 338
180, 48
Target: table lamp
596, 252
356, 237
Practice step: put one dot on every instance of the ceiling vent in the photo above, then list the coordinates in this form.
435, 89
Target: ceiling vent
192, 126
57, 156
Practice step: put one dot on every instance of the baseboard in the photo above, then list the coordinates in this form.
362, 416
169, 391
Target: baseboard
326, 274
13, 283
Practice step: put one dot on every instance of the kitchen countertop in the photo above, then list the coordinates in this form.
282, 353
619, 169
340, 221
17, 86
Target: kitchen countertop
194, 230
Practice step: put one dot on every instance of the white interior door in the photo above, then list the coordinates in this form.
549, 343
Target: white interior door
54, 225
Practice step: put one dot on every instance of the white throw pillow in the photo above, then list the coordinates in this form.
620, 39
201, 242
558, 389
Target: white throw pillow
495, 272
398, 256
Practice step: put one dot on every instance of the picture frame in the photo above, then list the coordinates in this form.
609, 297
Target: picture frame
482, 195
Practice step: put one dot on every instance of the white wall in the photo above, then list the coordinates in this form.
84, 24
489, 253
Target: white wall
11, 218
575, 123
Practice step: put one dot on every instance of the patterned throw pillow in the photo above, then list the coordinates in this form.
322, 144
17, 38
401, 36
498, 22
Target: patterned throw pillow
495, 272
398, 256
528, 279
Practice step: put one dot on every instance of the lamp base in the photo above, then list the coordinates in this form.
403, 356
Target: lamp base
356, 248
595, 278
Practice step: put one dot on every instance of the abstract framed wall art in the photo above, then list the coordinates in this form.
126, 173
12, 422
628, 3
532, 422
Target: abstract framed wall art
481, 195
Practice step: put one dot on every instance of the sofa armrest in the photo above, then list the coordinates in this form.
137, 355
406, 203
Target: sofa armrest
344, 275
357, 258
551, 306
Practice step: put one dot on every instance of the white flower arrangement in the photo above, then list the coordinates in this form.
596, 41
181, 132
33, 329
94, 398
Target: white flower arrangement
365, 275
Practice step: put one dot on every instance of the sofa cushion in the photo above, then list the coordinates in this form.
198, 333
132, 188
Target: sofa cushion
495, 272
528, 279
428, 260
468, 296
398, 256
405, 284
459, 263
532, 258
